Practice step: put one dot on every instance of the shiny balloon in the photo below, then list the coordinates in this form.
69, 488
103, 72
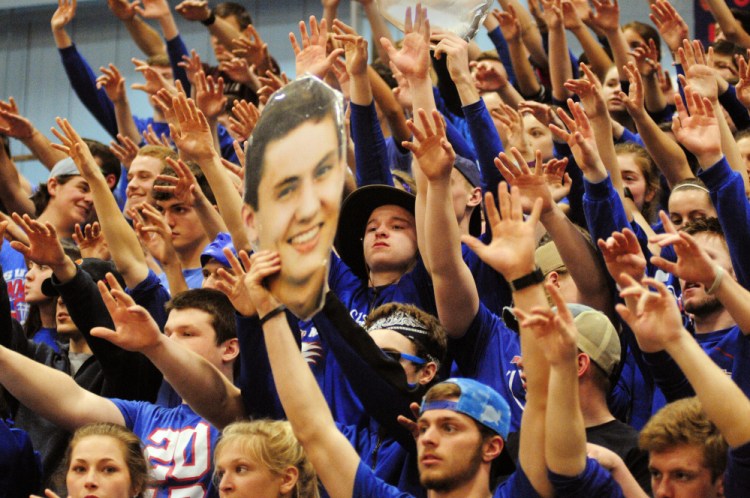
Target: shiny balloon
462, 17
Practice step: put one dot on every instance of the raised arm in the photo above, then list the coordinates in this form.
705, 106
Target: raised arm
113, 83
17, 126
13, 195
598, 59
731, 27
194, 142
145, 37
656, 321
124, 246
531, 35
607, 20
510, 25
198, 382
329, 451
511, 253
668, 156
456, 293
559, 60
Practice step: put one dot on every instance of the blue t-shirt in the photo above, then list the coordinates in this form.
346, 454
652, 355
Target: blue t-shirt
722, 346
737, 475
48, 336
489, 352
178, 444
14, 271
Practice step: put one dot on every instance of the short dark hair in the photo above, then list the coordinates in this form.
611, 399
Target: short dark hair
226, 9
199, 176
110, 163
212, 302
41, 197
647, 32
310, 102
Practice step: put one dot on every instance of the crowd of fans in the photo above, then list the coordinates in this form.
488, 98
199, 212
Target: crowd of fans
416, 269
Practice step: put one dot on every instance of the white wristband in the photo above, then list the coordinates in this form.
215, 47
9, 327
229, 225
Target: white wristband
717, 281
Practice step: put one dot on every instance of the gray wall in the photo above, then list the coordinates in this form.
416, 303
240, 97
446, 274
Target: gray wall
31, 70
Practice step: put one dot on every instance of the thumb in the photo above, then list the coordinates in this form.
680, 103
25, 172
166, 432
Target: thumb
474, 244
104, 333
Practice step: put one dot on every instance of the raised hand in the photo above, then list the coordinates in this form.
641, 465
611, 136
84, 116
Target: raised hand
488, 77
633, 101
554, 331
697, 131
431, 148
112, 82
571, 20
234, 284
124, 149
151, 138
153, 9
646, 58
457, 51
135, 329
581, 141
252, 49
552, 13
74, 146
510, 128
693, 263
154, 80
541, 112
413, 59
66, 11
743, 85
191, 65
607, 15
589, 89
193, 137
209, 95
183, 187
194, 10
91, 241
122, 9
263, 264
12, 123
238, 70
355, 51
698, 74
623, 256
243, 120
509, 23
271, 83
671, 25
153, 231
44, 247
653, 316
511, 251
403, 91
532, 185
312, 57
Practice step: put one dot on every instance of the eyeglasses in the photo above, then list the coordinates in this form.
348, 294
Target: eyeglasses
398, 355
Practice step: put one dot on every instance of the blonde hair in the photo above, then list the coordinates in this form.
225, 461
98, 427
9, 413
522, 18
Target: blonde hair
272, 443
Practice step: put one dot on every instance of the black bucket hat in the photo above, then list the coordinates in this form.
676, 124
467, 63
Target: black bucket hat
97, 268
355, 211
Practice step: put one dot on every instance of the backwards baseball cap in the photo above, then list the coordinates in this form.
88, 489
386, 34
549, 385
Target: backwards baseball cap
97, 268
597, 337
470, 171
355, 212
63, 167
548, 258
215, 250
484, 405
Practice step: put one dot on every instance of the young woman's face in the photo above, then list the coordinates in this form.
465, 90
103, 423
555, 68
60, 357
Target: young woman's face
238, 474
632, 177
98, 469
689, 204
538, 136
33, 284
611, 89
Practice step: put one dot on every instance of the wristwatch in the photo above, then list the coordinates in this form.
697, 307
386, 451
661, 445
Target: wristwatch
533, 278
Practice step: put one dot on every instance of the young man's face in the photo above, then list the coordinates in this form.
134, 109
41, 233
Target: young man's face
73, 198
193, 328
299, 197
449, 449
389, 340
65, 325
141, 175
390, 242
183, 220
695, 299
681, 472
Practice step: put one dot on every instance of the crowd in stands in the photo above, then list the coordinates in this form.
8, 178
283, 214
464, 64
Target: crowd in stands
411, 269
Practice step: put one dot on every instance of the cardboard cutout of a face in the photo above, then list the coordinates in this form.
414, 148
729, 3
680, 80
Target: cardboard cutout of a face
295, 169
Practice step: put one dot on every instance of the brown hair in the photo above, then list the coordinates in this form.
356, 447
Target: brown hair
437, 341
272, 443
650, 174
131, 451
684, 422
